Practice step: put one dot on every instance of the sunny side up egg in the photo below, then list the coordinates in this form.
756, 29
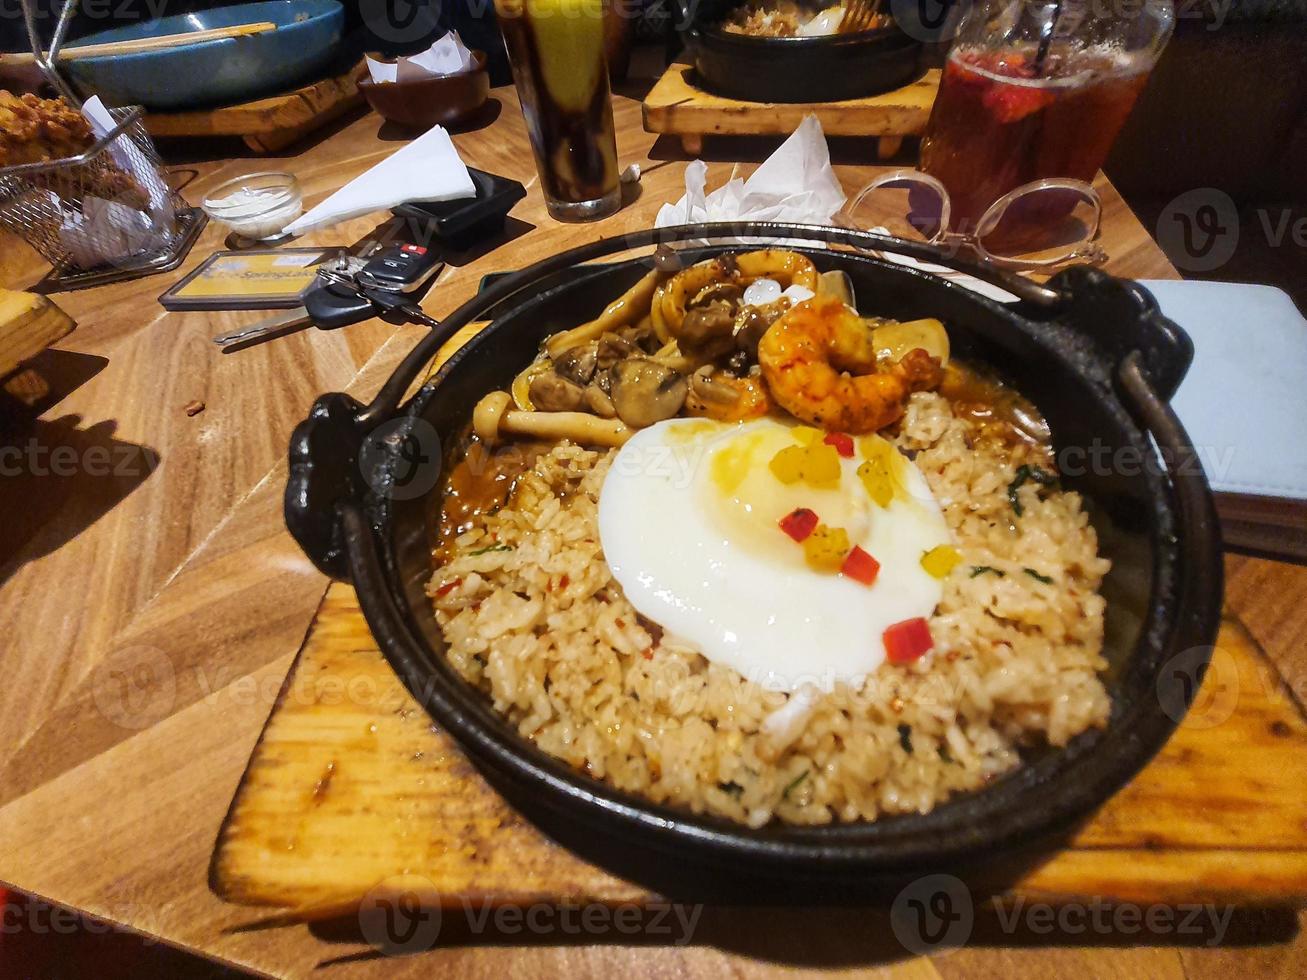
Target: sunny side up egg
689, 521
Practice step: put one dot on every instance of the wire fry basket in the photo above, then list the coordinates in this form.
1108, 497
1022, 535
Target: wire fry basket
105, 214
92, 215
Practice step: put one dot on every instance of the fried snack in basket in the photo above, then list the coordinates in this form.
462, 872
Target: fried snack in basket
36, 130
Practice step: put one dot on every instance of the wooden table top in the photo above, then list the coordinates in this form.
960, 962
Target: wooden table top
153, 546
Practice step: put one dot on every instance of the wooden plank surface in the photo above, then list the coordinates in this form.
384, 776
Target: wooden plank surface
675, 105
270, 123
150, 618
352, 785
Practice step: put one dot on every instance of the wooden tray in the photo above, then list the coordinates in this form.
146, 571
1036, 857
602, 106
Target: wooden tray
351, 785
271, 124
28, 325
675, 106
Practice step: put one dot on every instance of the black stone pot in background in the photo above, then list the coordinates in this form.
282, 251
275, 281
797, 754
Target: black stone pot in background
815, 69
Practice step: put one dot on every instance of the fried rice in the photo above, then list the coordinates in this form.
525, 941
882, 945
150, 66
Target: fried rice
533, 617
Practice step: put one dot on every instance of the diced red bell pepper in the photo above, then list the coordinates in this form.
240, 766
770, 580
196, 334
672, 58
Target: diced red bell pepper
799, 523
448, 587
842, 441
860, 566
908, 640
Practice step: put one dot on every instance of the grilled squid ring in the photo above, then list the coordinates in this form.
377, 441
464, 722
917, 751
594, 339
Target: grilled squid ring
667, 311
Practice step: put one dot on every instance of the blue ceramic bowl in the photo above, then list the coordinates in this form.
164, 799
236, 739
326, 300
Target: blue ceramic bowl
215, 72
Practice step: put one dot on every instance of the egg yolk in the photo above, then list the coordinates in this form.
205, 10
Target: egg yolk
745, 501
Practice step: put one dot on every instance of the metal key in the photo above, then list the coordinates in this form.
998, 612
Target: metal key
387, 300
325, 307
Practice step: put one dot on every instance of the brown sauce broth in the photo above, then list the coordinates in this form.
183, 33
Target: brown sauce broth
480, 482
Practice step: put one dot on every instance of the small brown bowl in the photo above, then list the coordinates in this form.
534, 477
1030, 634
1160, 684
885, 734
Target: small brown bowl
426, 102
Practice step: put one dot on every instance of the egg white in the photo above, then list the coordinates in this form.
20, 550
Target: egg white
688, 523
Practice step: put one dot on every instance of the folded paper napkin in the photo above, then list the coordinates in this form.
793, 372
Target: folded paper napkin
447, 56
794, 184
106, 231
129, 157
428, 169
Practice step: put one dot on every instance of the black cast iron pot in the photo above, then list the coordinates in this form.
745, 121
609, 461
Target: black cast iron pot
794, 69
1091, 351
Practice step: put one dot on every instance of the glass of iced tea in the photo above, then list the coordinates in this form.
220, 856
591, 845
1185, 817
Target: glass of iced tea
556, 48
1037, 89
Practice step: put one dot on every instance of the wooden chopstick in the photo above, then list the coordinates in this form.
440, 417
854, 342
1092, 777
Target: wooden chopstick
145, 43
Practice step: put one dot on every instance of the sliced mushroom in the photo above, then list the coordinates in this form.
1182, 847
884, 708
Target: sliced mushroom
612, 349
645, 392
753, 322
597, 401
552, 393
717, 292
666, 260
624, 310
706, 331
577, 364
494, 420
703, 386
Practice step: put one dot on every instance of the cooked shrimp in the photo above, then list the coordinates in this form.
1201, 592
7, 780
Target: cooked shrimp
725, 398
819, 362
671, 299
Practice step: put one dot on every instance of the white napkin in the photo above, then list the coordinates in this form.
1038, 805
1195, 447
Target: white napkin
129, 157
794, 184
447, 56
106, 231
428, 169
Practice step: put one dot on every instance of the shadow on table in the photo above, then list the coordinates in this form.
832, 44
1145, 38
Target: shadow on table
390, 132
821, 937
57, 478
844, 150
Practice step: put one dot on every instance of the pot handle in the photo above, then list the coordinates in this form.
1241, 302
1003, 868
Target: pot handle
329, 462
1122, 318
324, 474
1197, 532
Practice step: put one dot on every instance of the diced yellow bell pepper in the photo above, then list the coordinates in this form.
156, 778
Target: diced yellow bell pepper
805, 435
939, 562
826, 548
821, 465
879, 484
787, 465
881, 474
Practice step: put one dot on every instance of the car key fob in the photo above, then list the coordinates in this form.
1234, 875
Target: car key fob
400, 268
332, 306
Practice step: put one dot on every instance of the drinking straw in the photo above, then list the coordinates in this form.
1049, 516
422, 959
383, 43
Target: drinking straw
1046, 39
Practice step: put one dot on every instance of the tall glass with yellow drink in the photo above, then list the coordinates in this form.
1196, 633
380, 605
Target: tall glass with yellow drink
556, 48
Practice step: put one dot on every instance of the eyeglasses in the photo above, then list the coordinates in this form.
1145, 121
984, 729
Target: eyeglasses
1037, 226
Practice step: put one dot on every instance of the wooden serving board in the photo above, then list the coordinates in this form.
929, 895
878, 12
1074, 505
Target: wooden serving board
270, 124
677, 107
28, 325
351, 786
